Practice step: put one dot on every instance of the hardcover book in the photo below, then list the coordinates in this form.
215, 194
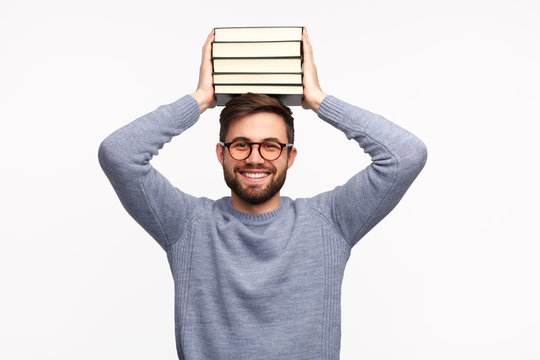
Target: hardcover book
257, 49
258, 33
250, 65
258, 88
257, 78
286, 99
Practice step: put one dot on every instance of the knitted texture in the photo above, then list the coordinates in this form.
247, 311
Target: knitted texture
265, 286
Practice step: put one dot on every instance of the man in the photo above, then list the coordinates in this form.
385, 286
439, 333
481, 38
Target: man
258, 276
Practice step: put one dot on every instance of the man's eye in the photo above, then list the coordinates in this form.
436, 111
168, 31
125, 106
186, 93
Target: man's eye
240, 146
271, 146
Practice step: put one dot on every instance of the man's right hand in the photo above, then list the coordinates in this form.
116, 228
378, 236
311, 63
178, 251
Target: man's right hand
313, 95
205, 91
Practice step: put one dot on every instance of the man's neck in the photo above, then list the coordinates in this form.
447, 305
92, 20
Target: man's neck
246, 207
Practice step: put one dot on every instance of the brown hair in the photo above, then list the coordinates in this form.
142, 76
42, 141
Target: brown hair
250, 103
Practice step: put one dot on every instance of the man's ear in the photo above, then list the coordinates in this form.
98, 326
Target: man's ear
219, 153
291, 157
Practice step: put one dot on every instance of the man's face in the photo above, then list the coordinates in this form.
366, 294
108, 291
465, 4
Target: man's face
256, 180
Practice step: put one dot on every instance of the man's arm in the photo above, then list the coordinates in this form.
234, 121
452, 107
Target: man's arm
397, 158
125, 157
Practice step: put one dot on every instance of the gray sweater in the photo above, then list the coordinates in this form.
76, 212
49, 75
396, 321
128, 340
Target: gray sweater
264, 286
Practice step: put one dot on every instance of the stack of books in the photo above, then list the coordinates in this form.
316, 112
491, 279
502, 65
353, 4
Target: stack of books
265, 60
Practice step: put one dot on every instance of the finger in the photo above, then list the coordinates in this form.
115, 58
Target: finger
308, 50
209, 38
207, 47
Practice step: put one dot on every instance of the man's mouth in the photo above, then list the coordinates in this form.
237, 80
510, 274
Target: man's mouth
254, 175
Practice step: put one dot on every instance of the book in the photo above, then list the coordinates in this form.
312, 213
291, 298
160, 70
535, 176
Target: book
250, 65
288, 94
260, 33
296, 89
265, 60
257, 78
286, 99
257, 49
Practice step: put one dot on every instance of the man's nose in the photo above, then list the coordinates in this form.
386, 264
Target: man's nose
255, 157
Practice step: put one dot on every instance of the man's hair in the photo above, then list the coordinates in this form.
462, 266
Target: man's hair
250, 103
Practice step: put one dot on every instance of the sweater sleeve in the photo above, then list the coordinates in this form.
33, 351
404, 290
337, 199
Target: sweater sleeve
147, 195
397, 158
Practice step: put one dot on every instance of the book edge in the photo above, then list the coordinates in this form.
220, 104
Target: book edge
286, 99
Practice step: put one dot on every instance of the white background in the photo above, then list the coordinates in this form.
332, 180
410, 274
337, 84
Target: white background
451, 273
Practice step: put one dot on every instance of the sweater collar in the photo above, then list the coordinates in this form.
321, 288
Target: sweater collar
226, 205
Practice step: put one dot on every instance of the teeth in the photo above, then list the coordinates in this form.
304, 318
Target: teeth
255, 175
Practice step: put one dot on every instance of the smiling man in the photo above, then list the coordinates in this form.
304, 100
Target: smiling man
258, 275
255, 176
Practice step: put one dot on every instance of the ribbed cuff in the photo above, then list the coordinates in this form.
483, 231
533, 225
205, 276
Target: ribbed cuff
332, 109
348, 118
337, 113
187, 109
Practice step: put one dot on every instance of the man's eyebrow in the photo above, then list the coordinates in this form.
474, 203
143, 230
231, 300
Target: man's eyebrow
240, 138
272, 139
243, 138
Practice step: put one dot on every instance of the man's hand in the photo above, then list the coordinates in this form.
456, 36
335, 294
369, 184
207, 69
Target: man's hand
313, 95
205, 91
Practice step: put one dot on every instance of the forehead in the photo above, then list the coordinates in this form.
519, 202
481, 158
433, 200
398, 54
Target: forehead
258, 127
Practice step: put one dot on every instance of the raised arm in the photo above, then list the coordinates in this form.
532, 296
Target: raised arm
125, 158
397, 158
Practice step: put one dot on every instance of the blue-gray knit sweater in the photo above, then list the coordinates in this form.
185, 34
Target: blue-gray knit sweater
266, 286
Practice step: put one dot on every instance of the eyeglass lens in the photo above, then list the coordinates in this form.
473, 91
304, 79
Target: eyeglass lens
240, 150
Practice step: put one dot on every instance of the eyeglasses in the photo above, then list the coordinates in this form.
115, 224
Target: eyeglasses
241, 150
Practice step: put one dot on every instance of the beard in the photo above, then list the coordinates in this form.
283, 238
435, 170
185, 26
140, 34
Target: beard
254, 193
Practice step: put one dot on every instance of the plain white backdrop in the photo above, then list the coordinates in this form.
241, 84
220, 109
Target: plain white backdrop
451, 273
